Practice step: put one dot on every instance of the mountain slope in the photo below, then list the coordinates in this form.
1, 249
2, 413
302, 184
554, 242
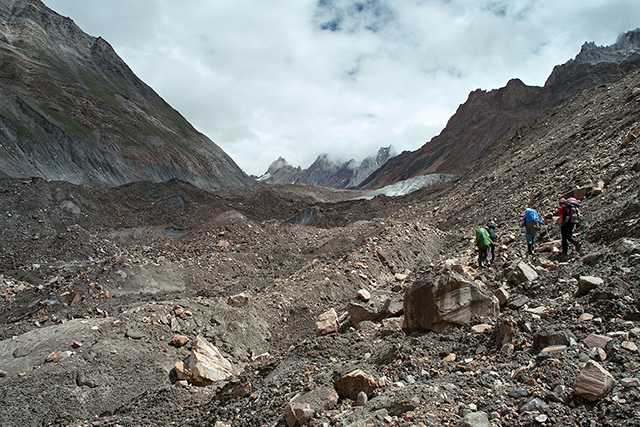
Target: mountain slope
488, 116
72, 110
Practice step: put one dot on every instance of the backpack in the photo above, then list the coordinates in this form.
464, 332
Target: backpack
482, 238
531, 221
572, 213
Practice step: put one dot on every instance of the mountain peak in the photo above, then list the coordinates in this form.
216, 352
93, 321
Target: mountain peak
327, 170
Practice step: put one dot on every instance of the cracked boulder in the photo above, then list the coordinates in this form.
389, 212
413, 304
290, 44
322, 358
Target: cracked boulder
450, 299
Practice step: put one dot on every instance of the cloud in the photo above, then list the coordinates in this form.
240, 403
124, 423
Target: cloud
297, 78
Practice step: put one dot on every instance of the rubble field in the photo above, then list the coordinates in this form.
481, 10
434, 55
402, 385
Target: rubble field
162, 304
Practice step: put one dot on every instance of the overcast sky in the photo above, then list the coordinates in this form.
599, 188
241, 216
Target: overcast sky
297, 78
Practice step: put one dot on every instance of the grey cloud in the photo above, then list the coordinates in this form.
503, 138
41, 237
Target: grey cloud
263, 80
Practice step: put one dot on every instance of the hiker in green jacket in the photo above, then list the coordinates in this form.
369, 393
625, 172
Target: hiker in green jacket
483, 242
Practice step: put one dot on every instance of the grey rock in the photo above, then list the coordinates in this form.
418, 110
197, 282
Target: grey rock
630, 382
475, 419
22, 352
535, 404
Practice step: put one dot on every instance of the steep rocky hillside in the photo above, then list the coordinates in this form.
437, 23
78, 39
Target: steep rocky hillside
326, 172
488, 116
104, 291
72, 110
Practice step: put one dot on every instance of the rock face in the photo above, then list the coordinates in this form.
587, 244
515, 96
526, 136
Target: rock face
73, 111
449, 299
488, 116
327, 172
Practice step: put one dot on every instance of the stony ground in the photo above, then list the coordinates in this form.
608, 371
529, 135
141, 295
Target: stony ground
95, 283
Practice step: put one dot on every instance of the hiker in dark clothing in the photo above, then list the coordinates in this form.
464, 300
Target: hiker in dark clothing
570, 220
491, 228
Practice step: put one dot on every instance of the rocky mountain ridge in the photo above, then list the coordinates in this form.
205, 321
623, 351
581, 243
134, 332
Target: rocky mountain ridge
487, 116
74, 111
327, 172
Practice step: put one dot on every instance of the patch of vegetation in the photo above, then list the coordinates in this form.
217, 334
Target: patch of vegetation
23, 131
100, 87
68, 122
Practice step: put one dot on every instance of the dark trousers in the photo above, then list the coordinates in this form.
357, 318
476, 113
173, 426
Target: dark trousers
483, 255
493, 252
567, 236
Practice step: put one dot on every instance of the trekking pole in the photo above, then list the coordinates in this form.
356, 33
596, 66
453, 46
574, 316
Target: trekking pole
545, 229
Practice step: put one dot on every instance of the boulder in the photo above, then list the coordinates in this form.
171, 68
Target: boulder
448, 299
364, 295
380, 306
594, 382
595, 340
393, 323
360, 312
553, 338
327, 323
475, 419
517, 301
552, 246
204, 365
587, 191
303, 406
588, 283
239, 300
522, 272
179, 341
502, 294
354, 382
454, 264
626, 246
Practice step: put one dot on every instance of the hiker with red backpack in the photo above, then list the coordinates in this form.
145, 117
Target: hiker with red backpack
570, 220
531, 223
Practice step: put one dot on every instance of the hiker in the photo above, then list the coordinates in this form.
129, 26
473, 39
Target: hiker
483, 242
570, 220
491, 228
531, 223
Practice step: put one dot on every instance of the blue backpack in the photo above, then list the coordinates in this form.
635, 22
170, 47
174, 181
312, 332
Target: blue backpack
531, 221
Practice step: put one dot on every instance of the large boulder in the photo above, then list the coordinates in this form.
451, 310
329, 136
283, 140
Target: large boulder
594, 382
303, 406
588, 283
204, 365
327, 323
522, 272
354, 382
447, 298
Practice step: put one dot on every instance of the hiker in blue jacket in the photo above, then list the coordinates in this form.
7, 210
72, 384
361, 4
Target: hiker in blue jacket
531, 223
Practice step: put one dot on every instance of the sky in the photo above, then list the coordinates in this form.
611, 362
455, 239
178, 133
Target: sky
299, 78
